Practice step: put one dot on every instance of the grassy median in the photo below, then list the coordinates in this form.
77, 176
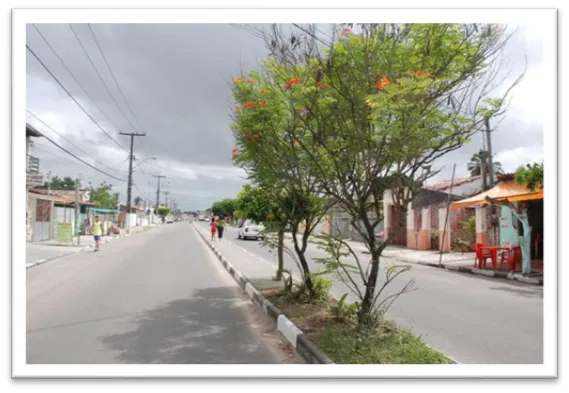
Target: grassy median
340, 341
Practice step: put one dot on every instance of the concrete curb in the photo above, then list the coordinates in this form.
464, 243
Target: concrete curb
104, 240
473, 270
293, 335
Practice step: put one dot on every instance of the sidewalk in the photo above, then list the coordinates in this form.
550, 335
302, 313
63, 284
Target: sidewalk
42, 252
257, 270
453, 261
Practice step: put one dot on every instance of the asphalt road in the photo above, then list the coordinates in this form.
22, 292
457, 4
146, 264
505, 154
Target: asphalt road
474, 320
151, 298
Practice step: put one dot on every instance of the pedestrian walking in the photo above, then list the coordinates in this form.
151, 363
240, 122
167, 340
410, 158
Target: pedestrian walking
220, 228
213, 227
97, 231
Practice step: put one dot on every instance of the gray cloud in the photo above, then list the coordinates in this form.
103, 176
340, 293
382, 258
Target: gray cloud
176, 79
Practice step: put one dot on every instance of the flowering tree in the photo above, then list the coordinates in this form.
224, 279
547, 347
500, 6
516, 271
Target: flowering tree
264, 127
374, 111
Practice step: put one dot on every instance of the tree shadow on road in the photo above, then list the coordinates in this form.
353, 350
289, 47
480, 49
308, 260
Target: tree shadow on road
208, 328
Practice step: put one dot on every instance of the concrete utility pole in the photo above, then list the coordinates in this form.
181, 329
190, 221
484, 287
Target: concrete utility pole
490, 160
51, 207
77, 212
158, 193
129, 188
166, 194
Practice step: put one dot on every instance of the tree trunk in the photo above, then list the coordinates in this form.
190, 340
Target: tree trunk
303, 263
365, 319
280, 254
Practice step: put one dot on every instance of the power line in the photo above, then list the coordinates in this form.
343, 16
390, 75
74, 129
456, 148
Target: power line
73, 98
80, 159
248, 30
73, 76
113, 75
100, 76
62, 136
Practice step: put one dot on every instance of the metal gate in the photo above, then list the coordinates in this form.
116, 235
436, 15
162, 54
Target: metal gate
42, 224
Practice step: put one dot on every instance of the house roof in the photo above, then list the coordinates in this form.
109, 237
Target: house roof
31, 131
63, 200
443, 185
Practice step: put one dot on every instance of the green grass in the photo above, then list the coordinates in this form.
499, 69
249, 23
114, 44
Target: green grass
389, 344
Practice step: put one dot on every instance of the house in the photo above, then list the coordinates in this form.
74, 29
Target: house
33, 178
427, 226
48, 209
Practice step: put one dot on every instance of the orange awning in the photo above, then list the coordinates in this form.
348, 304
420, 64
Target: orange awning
507, 190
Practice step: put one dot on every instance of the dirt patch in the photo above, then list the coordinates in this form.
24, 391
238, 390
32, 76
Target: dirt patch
341, 341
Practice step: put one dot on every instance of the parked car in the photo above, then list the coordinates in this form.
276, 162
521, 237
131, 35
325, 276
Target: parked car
250, 230
169, 220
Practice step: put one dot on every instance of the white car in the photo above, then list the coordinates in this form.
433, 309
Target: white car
170, 220
250, 230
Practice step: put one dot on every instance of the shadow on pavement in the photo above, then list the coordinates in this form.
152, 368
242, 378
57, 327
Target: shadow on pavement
208, 328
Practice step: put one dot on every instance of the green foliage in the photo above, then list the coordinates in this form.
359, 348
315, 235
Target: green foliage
470, 225
343, 311
531, 175
223, 208
164, 211
67, 183
480, 158
320, 288
371, 113
253, 203
103, 197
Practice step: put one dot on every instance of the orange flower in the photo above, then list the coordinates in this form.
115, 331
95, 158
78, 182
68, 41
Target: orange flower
292, 82
251, 81
249, 104
322, 85
235, 153
380, 85
423, 73
252, 138
263, 103
237, 79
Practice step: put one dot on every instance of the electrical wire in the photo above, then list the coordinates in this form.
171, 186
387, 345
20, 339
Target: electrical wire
73, 98
113, 75
73, 76
80, 159
71, 143
100, 76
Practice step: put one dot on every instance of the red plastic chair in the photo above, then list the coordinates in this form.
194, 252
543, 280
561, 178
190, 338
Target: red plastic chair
481, 255
513, 256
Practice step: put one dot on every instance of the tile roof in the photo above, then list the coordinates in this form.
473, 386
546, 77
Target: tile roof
443, 185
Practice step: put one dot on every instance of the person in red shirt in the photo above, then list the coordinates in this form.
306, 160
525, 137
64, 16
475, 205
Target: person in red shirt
213, 226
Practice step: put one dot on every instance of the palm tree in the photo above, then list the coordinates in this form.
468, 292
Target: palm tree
475, 164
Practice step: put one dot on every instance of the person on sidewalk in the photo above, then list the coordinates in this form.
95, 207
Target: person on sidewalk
97, 231
220, 227
213, 226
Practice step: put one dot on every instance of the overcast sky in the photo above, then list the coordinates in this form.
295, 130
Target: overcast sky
176, 79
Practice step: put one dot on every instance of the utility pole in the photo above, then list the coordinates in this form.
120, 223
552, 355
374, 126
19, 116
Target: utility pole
158, 193
166, 194
490, 160
129, 188
77, 224
51, 207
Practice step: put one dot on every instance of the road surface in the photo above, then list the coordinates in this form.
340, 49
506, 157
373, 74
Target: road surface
474, 320
151, 298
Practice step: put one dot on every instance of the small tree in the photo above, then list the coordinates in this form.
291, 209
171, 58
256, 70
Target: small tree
263, 126
103, 197
56, 183
531, 175
163, 212
373, 112
223, 208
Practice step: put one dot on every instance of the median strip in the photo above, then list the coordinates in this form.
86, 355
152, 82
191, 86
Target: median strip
316, 334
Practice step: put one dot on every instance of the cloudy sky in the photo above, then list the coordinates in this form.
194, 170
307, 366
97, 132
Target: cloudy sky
176, 81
